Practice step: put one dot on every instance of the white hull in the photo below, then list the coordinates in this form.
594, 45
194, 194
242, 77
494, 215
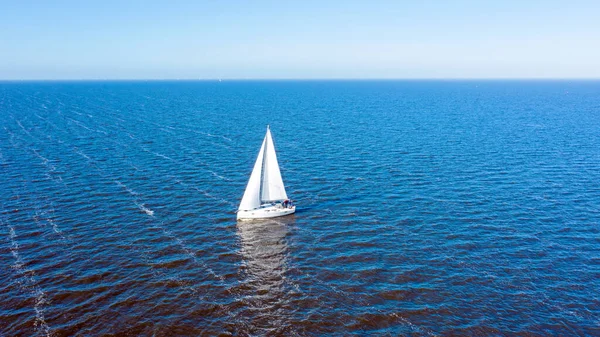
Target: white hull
265, 212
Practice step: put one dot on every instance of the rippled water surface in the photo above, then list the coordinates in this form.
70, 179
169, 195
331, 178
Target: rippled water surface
424, 208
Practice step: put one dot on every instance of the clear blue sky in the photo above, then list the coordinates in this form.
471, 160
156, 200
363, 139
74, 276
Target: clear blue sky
299, 39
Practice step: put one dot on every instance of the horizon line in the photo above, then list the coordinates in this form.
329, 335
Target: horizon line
257, 79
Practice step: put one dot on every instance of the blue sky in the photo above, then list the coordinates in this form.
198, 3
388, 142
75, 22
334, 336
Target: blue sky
299, 39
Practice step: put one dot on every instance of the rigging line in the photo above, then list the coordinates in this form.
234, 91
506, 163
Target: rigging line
262, 171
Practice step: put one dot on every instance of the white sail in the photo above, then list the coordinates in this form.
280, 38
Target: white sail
251, 198
265, 191
272, 184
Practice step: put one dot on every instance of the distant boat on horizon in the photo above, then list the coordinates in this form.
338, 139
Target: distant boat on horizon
265, 195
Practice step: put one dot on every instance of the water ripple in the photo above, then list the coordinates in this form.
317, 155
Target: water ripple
425, 208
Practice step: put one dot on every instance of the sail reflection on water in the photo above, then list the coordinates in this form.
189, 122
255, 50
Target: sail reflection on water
266, 290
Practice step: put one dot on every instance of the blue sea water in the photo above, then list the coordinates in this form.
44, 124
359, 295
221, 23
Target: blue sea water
424, 208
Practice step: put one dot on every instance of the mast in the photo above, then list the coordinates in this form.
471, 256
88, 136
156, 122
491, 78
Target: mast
272, 184
262, 171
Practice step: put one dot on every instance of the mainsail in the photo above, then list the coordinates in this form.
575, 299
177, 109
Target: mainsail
272, 184
265, 182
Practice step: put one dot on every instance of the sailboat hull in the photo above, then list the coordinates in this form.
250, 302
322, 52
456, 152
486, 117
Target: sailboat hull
265, 212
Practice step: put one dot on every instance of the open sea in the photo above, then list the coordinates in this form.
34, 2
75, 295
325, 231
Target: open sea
425, 208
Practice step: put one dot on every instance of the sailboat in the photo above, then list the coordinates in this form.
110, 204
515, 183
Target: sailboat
265, 195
